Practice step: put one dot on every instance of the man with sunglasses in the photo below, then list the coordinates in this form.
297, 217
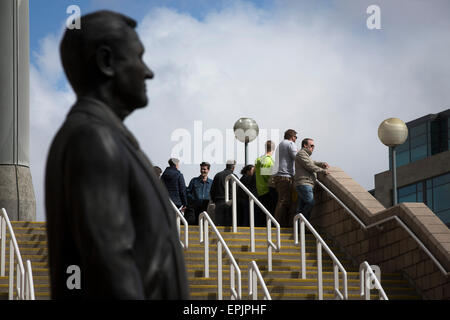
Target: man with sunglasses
305, 176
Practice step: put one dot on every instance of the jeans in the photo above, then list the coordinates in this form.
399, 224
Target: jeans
305, 200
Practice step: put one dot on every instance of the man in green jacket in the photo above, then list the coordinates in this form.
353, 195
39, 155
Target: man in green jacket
263, 171
305, 176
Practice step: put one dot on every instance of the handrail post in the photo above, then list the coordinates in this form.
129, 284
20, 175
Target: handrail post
255, 285
3, 245
11, 271
336, 279
234, 207
269, 246
219, 271
30, 281
319, 270
206, 243
232, 285
252, 224
303, 247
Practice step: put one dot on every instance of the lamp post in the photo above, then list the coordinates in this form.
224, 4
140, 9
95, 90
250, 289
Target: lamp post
246, 130
393, 132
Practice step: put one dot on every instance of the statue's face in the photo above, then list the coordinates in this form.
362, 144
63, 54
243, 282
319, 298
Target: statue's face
131, 73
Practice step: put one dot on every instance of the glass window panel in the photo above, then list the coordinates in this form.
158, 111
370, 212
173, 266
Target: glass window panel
445, 216
419, 196
429, 202
407, 190
418, 130
408, 198
402, 158
418, 141
418, 153
403, 147
441, 197
445, 178
420, 186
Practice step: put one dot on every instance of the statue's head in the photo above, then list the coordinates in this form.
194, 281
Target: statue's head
106, 55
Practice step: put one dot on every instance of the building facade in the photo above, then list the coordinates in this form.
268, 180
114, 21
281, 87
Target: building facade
423, 166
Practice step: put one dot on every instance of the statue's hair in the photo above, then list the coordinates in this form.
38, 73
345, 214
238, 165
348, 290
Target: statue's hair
78, 46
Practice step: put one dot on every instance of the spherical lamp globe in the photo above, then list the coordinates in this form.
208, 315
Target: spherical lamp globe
392, 132
246, 130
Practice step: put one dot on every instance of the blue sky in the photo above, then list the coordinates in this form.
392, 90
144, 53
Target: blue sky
312, 66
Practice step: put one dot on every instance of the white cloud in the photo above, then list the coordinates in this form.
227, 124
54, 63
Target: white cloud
315, 70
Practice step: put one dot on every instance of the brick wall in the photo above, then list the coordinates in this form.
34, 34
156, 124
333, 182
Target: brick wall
390, 246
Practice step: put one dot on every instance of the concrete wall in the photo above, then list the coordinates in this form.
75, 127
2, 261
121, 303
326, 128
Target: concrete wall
391, 247
411, 173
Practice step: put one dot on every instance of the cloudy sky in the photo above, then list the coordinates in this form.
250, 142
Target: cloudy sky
313, 66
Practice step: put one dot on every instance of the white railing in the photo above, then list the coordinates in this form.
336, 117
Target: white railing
269, 217
320, 244
204, 221
368, 280
254, 276
180, 218
24, 284
394, 217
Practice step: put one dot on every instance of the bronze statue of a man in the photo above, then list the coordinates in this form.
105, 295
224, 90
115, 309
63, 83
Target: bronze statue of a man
107, 212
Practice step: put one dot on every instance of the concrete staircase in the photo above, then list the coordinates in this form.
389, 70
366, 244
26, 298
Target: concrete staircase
284, 282
32, 240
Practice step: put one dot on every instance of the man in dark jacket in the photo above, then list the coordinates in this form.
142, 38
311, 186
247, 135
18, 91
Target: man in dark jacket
174, 181
222, 211
107, 212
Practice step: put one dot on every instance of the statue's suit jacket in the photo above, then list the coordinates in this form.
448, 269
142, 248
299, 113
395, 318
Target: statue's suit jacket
108, 214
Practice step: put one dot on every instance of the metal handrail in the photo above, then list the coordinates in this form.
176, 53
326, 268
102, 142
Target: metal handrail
394, 217
21, 276
254, 275
269, 218
179, 218
204, 219
369, 279
29, 286
320, 243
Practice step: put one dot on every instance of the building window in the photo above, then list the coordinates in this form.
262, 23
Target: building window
435, 193
424, 139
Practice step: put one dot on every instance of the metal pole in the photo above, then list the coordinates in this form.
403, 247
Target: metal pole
246, 152
394, 177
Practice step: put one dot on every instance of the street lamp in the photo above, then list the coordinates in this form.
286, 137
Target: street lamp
246, 130
393, 132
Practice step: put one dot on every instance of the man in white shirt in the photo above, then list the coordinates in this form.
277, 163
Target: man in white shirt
283, 178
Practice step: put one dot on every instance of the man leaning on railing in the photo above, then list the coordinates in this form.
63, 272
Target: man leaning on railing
305, 175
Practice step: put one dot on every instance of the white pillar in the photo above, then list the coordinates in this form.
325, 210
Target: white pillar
16, 188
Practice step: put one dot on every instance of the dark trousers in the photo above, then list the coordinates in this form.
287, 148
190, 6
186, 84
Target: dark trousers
268, 203
193, 211
283, 186
222, 214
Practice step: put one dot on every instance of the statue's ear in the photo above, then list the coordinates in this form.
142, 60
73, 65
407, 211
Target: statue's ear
104, 58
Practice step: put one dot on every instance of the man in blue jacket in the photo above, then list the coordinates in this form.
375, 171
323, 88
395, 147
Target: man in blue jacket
198, 193
174, 181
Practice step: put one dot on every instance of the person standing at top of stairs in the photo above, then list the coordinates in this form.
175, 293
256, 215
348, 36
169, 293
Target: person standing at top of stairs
305, 176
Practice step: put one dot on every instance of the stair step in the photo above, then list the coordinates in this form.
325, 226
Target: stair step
290, 296
284, 281
388, 279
